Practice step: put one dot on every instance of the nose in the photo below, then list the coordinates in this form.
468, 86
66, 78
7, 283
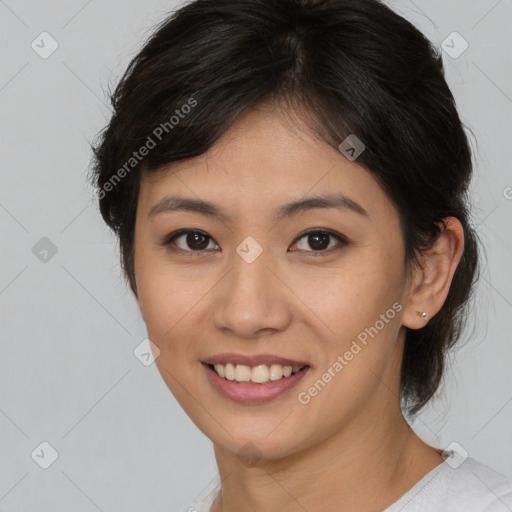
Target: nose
252, 299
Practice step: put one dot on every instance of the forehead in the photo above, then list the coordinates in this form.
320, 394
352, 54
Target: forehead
261, 161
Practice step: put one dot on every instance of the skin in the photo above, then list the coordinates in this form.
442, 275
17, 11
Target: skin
350, 444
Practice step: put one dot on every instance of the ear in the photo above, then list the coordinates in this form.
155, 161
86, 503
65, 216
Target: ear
430, 284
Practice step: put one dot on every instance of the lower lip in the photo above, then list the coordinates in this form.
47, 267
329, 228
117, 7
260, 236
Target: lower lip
251, 392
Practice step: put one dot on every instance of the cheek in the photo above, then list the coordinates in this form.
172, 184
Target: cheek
159, 295
166, 304
350, 295
360, 304
170, 300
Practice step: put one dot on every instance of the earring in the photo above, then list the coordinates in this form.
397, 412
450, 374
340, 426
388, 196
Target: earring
424, 316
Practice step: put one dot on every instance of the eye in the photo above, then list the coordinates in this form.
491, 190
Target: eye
193, 242
319, 240
197, 241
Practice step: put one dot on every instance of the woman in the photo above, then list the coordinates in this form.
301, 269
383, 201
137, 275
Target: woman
288, 181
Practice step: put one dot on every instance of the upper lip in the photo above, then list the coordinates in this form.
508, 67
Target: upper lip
255, 360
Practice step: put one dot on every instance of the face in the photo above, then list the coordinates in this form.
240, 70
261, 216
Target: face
256, 286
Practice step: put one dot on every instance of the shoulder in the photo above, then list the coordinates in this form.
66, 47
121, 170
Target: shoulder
458, 486
476, 485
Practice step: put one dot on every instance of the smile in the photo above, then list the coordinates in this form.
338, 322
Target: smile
255, 379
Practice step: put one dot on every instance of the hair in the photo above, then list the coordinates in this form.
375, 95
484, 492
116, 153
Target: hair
344, 67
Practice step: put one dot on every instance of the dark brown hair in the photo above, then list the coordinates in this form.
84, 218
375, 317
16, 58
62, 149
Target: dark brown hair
345, 67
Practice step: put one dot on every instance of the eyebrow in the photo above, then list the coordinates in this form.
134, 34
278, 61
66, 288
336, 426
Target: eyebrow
172, 204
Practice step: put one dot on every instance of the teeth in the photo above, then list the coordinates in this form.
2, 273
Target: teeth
276, 371
219, 368
259, 374
242, 373
229, 371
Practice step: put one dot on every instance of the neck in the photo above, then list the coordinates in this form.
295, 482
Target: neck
366, 466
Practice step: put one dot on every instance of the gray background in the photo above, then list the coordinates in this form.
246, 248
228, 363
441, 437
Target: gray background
69, 325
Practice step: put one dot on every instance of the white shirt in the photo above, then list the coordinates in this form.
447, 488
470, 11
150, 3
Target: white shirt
449, 487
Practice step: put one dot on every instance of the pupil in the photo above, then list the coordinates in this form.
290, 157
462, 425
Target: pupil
192, 241
322, 236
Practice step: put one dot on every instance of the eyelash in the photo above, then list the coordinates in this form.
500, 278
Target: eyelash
176, 234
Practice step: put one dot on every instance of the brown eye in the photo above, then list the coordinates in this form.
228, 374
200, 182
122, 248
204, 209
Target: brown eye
319, 241
194, 242
188, 240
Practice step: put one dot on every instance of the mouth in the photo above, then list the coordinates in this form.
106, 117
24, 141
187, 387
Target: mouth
253, 380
